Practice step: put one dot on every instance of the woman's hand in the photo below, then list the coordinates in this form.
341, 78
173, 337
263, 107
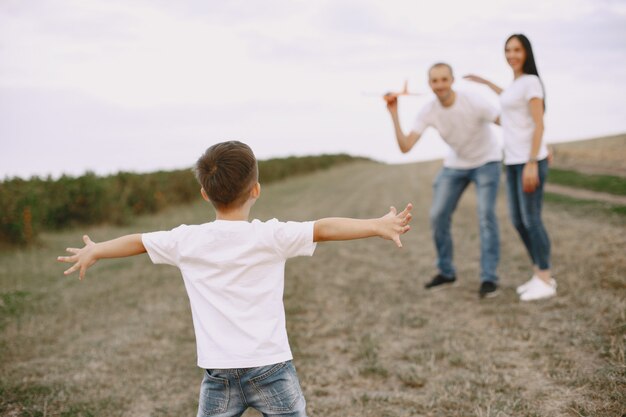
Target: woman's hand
475, 78
530, 177
481, 80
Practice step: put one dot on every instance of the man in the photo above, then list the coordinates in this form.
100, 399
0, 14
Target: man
463, 121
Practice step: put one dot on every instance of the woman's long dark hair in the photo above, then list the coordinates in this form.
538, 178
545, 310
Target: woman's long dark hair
529, 65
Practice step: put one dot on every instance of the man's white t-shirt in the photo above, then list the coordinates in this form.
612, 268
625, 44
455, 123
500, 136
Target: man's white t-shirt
234, 275
465, 127
517, 123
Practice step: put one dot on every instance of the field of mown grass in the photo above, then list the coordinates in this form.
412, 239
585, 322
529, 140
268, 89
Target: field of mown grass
611, 184
368, 340
605, 155
589, 175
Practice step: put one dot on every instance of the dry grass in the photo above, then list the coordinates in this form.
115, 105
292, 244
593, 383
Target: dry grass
594, 156
368, 340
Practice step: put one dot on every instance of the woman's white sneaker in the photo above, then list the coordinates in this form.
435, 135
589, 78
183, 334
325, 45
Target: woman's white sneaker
522, 288
525, 286
538, 290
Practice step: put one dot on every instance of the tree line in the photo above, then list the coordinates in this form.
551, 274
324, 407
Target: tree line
28, 207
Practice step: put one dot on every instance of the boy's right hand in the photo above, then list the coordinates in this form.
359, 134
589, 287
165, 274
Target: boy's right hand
83, 258
394, 224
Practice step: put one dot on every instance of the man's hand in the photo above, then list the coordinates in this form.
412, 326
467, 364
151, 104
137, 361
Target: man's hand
392, 102
83, 258
394, 224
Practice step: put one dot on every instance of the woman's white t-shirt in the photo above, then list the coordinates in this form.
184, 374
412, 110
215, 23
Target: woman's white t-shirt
517, 123
234, 275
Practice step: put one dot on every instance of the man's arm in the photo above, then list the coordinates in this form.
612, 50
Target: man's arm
389, 227
406, 142
88, 255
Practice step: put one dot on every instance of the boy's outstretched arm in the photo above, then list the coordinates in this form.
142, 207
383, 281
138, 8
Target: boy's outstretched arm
86, 256
390, 227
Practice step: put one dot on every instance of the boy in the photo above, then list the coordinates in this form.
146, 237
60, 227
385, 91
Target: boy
233, 272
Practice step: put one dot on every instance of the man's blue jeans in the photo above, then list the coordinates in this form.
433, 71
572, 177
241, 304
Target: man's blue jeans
525, 209
448, 188
274, 390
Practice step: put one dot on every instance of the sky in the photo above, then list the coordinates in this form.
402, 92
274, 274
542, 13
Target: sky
145, 85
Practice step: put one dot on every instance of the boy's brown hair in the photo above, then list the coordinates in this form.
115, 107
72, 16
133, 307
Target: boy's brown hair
227, 171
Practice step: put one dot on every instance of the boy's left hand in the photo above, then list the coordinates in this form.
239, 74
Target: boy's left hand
394, 224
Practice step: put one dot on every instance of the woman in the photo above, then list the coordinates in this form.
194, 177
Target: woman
525, 157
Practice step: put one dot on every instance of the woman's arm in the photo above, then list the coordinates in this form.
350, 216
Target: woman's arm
480, 80
530, 174
536, 112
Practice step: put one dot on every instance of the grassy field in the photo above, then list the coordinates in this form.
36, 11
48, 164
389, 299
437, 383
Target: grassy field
368, 340
600, 183
604, 155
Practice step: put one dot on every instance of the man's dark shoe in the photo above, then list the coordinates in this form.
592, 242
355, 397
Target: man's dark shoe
439, 281
488, 289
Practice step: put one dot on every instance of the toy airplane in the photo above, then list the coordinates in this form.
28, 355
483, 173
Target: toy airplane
404, 92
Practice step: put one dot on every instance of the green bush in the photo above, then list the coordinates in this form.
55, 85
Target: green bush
15, 212
29, 206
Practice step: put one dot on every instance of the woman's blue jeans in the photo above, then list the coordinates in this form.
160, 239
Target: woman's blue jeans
274, 390
525, 211
448, 188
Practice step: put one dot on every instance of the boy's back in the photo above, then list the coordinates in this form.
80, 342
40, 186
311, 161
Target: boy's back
234, 276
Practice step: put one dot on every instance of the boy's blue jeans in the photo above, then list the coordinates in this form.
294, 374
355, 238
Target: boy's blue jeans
274, 390
525, 210
448, 188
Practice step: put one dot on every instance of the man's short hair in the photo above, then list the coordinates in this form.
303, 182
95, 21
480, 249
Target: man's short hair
441, 64
227, 171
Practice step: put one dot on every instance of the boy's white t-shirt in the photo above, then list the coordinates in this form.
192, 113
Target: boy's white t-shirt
465, 127
234, 275
517, 123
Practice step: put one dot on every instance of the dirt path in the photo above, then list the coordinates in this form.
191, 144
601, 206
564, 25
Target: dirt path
368, 340
586, 194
